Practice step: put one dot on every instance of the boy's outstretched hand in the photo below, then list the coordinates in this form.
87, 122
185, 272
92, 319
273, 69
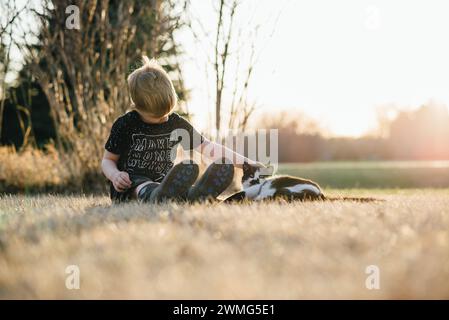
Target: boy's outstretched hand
121, 181
259, 165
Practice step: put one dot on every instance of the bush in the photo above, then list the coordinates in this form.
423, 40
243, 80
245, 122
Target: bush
32, 170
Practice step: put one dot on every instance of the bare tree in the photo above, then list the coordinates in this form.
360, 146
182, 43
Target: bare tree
221, 56
11, 14
233, 45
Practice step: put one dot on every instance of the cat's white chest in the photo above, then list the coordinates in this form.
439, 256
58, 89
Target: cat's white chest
266, 190
259, 192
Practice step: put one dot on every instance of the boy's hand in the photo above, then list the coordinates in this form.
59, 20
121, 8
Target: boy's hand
121, 181
257, 164
260, 165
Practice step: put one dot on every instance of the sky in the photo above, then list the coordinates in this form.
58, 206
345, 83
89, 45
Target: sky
336, 61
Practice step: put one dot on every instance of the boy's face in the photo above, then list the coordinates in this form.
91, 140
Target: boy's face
150, 118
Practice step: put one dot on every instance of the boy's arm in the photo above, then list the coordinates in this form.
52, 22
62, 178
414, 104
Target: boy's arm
120, 179
215, 151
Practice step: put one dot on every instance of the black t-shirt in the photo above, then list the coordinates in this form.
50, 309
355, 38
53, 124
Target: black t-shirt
149, 150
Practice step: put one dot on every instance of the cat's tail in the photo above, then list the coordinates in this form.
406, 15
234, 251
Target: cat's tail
354, 199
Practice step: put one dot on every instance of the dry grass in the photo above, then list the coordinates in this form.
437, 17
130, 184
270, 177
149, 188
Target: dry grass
302, 250
31, 168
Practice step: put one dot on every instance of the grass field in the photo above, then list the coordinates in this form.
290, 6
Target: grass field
276, 250
373, 174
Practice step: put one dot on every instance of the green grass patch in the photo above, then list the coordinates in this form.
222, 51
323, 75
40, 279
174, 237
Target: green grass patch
372, 175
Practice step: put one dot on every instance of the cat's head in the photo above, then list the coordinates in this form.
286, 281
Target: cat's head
253, 175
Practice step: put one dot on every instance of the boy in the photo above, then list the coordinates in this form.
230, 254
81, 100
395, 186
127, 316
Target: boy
140, 151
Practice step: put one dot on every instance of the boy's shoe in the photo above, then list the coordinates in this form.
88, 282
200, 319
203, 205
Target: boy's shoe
145, 192
176, 183
214, 181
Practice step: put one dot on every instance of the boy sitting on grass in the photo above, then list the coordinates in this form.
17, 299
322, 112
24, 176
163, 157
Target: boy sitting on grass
141, 148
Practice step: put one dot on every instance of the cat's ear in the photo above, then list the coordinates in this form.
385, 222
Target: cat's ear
246, 166
267, 165
270, 169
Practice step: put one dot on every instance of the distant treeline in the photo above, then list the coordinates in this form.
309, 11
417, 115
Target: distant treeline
421, 134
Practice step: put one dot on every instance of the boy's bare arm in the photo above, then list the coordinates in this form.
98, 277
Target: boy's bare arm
214, 151
120, 179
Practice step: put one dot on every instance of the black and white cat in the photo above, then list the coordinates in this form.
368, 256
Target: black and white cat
258, 184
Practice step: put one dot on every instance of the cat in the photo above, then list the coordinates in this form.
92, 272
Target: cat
259, 184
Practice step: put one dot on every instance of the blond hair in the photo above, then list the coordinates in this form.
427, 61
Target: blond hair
151, 89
